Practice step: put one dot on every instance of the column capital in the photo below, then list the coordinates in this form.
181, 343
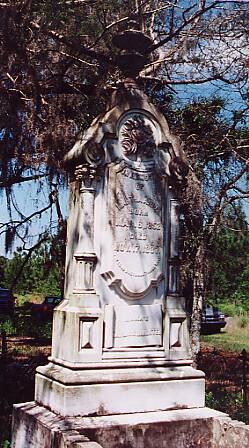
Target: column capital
87, 175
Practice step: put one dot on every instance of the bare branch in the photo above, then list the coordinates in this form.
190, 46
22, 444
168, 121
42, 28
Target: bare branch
108, 27
19, 179
26, 259
185, 23
53, 199
72, 45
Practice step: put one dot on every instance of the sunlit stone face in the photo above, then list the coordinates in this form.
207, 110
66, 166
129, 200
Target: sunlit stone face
136, 214
137, 224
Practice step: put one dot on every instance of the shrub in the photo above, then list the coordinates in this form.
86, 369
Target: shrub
5, 444
230, 309
8, 326
244, 321
210, 401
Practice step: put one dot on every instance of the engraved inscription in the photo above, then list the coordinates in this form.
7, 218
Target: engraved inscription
138, 326
137, 223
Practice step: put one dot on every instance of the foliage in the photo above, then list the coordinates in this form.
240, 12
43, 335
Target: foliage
21, 324
35, 277
25, 299
244, 321
210, 401
224, 382
228, 402
229, 261
42, 271
26, 327
210, 203
8, 326
229, 309
3, 262
5, 444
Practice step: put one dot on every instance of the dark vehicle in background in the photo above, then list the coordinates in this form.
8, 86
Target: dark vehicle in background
43, 312
212, 320
7, 302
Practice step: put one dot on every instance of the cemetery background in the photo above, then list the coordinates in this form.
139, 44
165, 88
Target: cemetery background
212, 106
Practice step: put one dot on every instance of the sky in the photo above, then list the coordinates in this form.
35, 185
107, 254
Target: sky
29, 196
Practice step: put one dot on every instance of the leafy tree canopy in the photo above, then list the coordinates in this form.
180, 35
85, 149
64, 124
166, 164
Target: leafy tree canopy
228, 279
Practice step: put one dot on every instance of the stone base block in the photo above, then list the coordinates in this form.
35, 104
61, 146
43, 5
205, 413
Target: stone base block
118, 391
36, 427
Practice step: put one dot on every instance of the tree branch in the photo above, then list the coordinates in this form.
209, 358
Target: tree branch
186, 22
12, 180
75, 44
15, 224
26, 259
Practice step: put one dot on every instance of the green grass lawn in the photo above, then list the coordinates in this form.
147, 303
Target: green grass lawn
233, 338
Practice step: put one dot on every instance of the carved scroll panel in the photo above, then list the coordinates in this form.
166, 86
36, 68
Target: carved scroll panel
136, 226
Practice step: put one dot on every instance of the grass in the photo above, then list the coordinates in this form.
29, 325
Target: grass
234, 338
227, 342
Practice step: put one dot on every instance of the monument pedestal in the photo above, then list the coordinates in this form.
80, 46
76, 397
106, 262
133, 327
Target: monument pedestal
35, 426
118, 390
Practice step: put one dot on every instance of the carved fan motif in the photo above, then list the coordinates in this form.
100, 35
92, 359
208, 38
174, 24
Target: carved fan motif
137, 137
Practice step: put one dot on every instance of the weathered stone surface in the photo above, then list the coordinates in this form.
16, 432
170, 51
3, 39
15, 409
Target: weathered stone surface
202, 428
133, 396
84, 445
230, 433
37, 427
126, 212
135, 260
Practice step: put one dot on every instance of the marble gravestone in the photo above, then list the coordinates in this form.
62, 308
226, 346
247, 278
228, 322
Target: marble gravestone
120, 373
120, 343
122, 330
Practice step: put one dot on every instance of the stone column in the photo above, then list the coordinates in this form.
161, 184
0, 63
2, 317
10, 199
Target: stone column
174, 246
85, 257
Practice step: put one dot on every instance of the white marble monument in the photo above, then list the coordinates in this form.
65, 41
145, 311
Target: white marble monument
120, 339
120, 372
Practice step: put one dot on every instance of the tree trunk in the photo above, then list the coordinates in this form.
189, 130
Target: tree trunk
198, 299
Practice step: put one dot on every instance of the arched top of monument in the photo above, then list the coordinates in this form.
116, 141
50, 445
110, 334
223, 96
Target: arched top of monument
127, 100
145, 134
